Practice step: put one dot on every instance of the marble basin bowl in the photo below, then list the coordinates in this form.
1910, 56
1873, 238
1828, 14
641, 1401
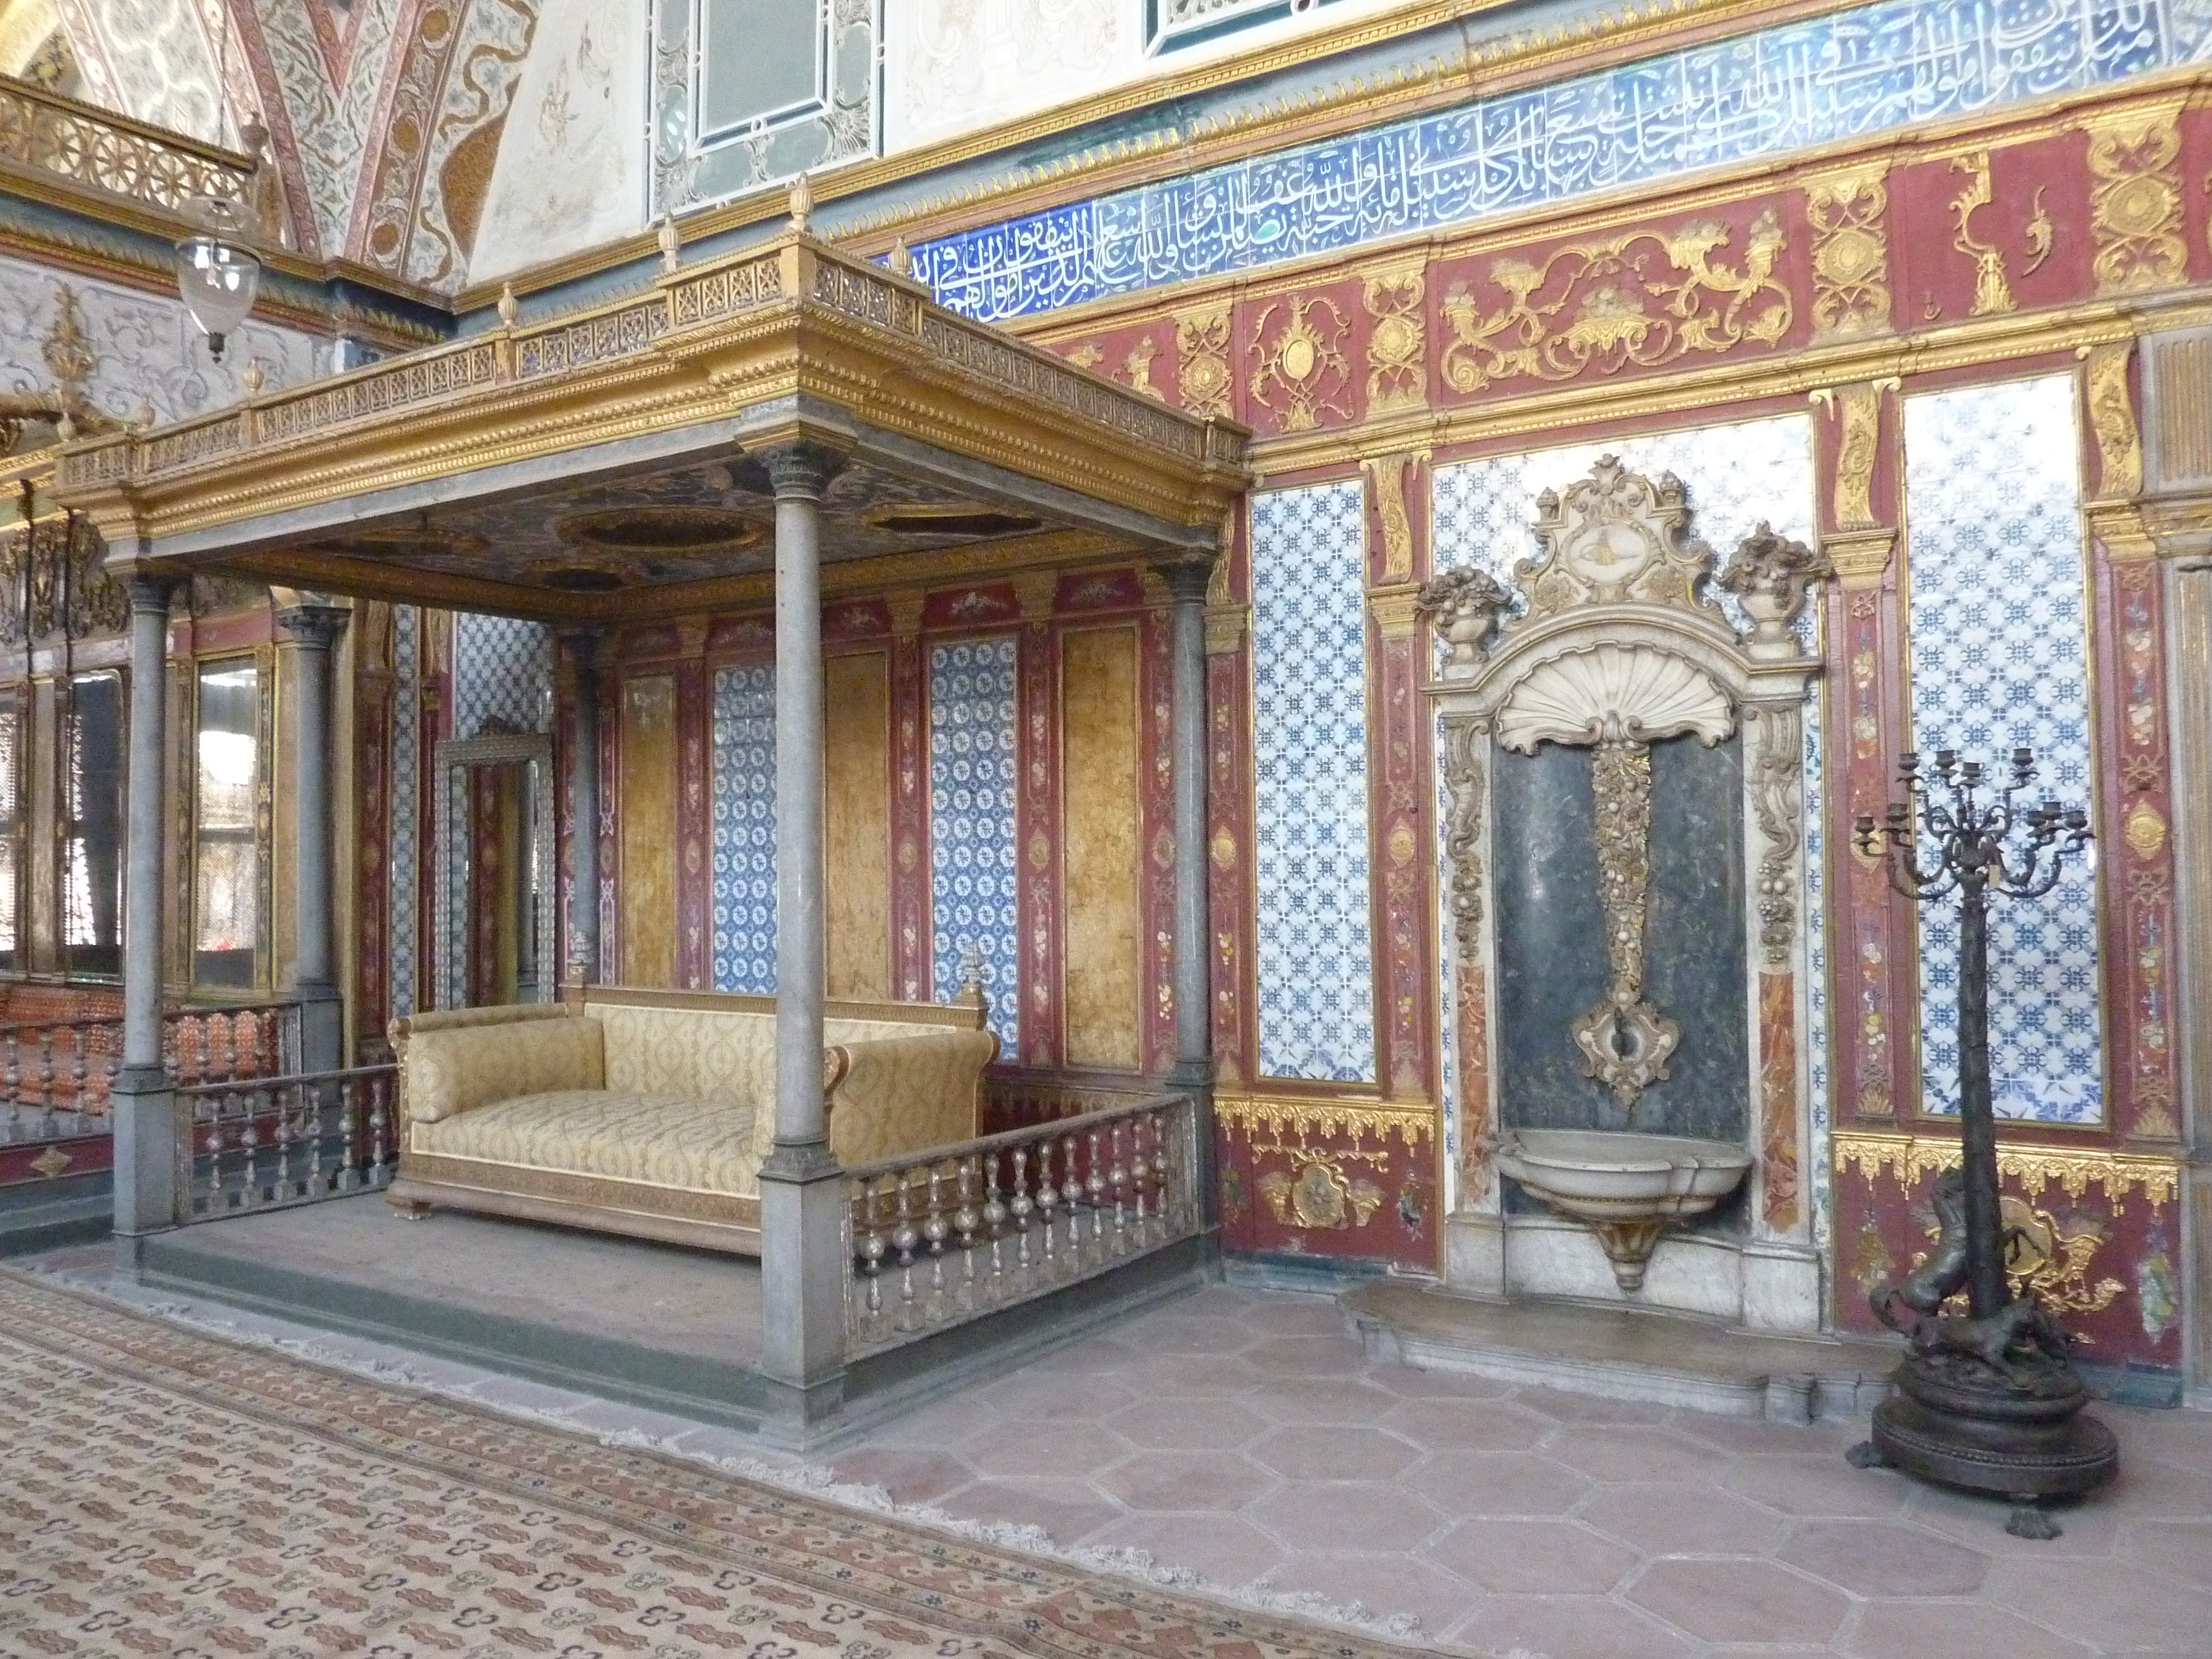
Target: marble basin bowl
1629, 1187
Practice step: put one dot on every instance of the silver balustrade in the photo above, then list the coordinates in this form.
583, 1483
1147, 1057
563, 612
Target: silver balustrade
56, 1074
263, 1143
940, 1237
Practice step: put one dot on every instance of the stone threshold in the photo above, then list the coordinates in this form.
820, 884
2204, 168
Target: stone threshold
1622, 1353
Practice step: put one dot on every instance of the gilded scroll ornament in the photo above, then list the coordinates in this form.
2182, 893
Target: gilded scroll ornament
1307, 1117
1856, 454
2040, 1253
1397, 360
2073, 1169
1320, 1196
1137, 368
1202, 360
1605, 293
1386, 475
1993, 295
1851, 254
1776, 795
2135, 204
1625, 1040
1464, 743
2112, 419
1303, 364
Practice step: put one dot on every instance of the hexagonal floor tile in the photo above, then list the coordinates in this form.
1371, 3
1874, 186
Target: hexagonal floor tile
1364, 1515
1065, 1511
1306, 1356
1532, 1557
1740, 1601
1906, 1630
1469, 1425
1881, 1557
1042, 1451
1659, 1521
1225, 1548
1334, 1452
1183, 1480
1344, 1399
1567, 1627
1497, 1483
1384, 1584
1034, 1396
1816, 1486
1188, 1426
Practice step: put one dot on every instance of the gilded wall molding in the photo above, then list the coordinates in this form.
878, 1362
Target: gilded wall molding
1858, 449
1305, 1118
1386, 485
2112, 418
1397, 337
2135, 199
1848, 212
1203, 343
1911, 1157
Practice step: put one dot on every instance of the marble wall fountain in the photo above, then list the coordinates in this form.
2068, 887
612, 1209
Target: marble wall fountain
1625, 837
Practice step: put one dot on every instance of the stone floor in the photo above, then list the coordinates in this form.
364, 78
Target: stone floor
1243, 1435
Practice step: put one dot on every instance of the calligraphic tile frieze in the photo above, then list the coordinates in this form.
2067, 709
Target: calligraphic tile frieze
1315, 946
743, 862
1815, 81
974, 772
2000, 660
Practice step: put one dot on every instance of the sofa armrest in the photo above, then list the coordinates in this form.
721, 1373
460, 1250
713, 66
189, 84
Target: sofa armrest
906, 1094
445, 1072
403, 1031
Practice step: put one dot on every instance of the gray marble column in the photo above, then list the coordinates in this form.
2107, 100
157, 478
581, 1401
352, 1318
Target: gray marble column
143, 1107
583, 649
802, 1265
310, 629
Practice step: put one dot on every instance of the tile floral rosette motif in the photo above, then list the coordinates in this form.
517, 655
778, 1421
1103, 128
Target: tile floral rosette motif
1815, 81
972, 779
1316, 1014
171, 1493
744, 829
2000, 660
502, 673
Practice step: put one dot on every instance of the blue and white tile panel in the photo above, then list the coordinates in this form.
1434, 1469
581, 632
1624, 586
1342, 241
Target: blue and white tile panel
502, 674
973, 776
744, 829
1816, 81
1315, 962
2000, 660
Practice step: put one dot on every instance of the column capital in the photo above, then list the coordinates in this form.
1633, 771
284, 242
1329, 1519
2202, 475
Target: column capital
151, 591
312, 624
1186, 578
799, 469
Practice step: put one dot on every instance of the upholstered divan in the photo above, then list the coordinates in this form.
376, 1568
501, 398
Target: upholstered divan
649, 1112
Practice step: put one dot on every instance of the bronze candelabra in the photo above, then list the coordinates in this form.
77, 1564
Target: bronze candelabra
1986, 1400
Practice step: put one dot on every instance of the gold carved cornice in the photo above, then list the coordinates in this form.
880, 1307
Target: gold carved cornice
1224, 627
1307, 1117
1910, 1157
1860, 557
1397, 610
2120, 527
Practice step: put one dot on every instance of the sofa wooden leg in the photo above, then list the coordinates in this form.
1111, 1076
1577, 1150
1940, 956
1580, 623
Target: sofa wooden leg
411, 1209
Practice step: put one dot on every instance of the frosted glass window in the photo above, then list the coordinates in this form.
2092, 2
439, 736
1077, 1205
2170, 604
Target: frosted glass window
2001, 660
1316, 959
760, 58
227, 862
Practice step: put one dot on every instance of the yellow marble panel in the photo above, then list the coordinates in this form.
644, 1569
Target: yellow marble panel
645, 899
1103, 945
856, 828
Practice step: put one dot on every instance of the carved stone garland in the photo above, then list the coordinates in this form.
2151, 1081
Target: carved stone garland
1620, 647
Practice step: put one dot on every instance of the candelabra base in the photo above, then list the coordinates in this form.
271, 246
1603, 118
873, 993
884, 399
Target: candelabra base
2014, 1430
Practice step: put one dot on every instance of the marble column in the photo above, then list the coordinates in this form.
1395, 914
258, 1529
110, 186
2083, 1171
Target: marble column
310, 629
802, 1265
583, 648
142, 1104
1186, 581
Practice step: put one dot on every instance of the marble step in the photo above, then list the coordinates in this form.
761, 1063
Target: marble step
1622, 1353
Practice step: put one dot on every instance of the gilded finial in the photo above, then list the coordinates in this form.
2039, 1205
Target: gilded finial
508, 308
252, 377
902, 257
802, 202
671, 244
143, 415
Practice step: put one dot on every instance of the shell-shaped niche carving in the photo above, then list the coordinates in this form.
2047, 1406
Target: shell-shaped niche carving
1625, 693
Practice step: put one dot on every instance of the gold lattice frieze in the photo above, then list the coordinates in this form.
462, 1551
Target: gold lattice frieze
1300, 1120
42, 132
1912, 1158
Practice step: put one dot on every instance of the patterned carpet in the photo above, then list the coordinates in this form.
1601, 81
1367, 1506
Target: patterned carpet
170, 1494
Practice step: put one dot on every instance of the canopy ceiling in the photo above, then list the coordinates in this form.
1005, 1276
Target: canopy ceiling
606, 465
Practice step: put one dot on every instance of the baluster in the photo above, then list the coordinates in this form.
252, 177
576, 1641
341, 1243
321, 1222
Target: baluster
964, 1220
1094, 1185
1140, 1171
1048, 1203
46, 1079
1163, 1195
873, 1245
15, 1078
111, 1061
177, 1046
380, 1128
994, 1222
903, 1239
1022, 1208
1118, 1179
77, 1070
934, 1228
1071, 1194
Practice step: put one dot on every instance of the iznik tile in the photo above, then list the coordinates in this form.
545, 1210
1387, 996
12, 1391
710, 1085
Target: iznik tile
744, 829
973, 774
2000, 660
1316, 1010
1815, 81
502, 673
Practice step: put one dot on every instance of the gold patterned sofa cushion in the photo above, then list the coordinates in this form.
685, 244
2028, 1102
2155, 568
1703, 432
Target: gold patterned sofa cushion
660, 1140
705, 1054
462, 1068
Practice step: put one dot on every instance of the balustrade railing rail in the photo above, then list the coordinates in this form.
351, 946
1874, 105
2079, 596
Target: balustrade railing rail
940, 1237
57, 1075
262, 1143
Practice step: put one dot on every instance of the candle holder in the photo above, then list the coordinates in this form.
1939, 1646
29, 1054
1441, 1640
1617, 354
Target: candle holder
1987, 1399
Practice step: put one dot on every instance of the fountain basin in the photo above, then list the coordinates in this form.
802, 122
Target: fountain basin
1631, 1187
